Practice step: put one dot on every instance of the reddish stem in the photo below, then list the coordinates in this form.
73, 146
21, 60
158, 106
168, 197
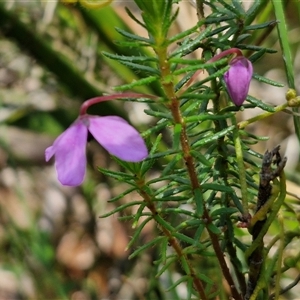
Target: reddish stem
86, 104
235, 51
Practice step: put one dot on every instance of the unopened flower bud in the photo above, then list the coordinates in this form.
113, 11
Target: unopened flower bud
238, 78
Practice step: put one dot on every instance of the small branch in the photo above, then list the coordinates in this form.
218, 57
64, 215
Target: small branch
287, 288
255, 253
242, 171
279, 259
173, 104
243, 124
172, 241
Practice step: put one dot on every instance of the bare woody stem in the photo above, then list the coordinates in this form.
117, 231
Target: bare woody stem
174, 106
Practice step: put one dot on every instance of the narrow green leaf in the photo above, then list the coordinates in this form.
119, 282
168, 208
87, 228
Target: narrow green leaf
218, 20
225, 37
200, 66
176, 136
185, 61
182, 279
166, 265
224, 211
231, 8
131, 45
169, 19
163, 223
117, 175
189, 224
260, 26
162, 123
255, 48
257, 55
116, 198
238, 6
254, 10
187, 48
164, 247
217, 187
183, 34
158, 114
148, 163
162, 154
260, 104
125, 58
169, 191
199, 201
133, 65
132, 36
132, 16
171, 165
209, 78
219, 29
121, 207
180, 179
140, 82
267, 80
213, 137
243, 37
154, 242
137, 230
200, 96
180, 211
237, 202
137, 216
201, 158
205, 117
205, 278
213, 228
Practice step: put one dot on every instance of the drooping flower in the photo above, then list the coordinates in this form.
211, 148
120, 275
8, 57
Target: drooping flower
239, 75
113, 133
238, 78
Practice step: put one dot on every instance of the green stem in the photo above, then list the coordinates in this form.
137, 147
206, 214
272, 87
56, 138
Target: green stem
243, 124
286, 53
262, 213
280, 255
275, 208
242, 171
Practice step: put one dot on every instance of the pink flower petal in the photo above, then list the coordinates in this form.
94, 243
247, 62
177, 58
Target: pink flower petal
69, 150
118, 138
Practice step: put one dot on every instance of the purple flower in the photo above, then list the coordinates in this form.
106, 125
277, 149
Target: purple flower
113, 133
238, 79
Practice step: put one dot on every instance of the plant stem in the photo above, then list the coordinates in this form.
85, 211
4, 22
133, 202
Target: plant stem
174, 106
286, 53
242, 171
226, 203
243, 124
86, 104
280, 255
171, 239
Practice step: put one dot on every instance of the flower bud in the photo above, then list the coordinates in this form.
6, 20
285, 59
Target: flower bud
238, 78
